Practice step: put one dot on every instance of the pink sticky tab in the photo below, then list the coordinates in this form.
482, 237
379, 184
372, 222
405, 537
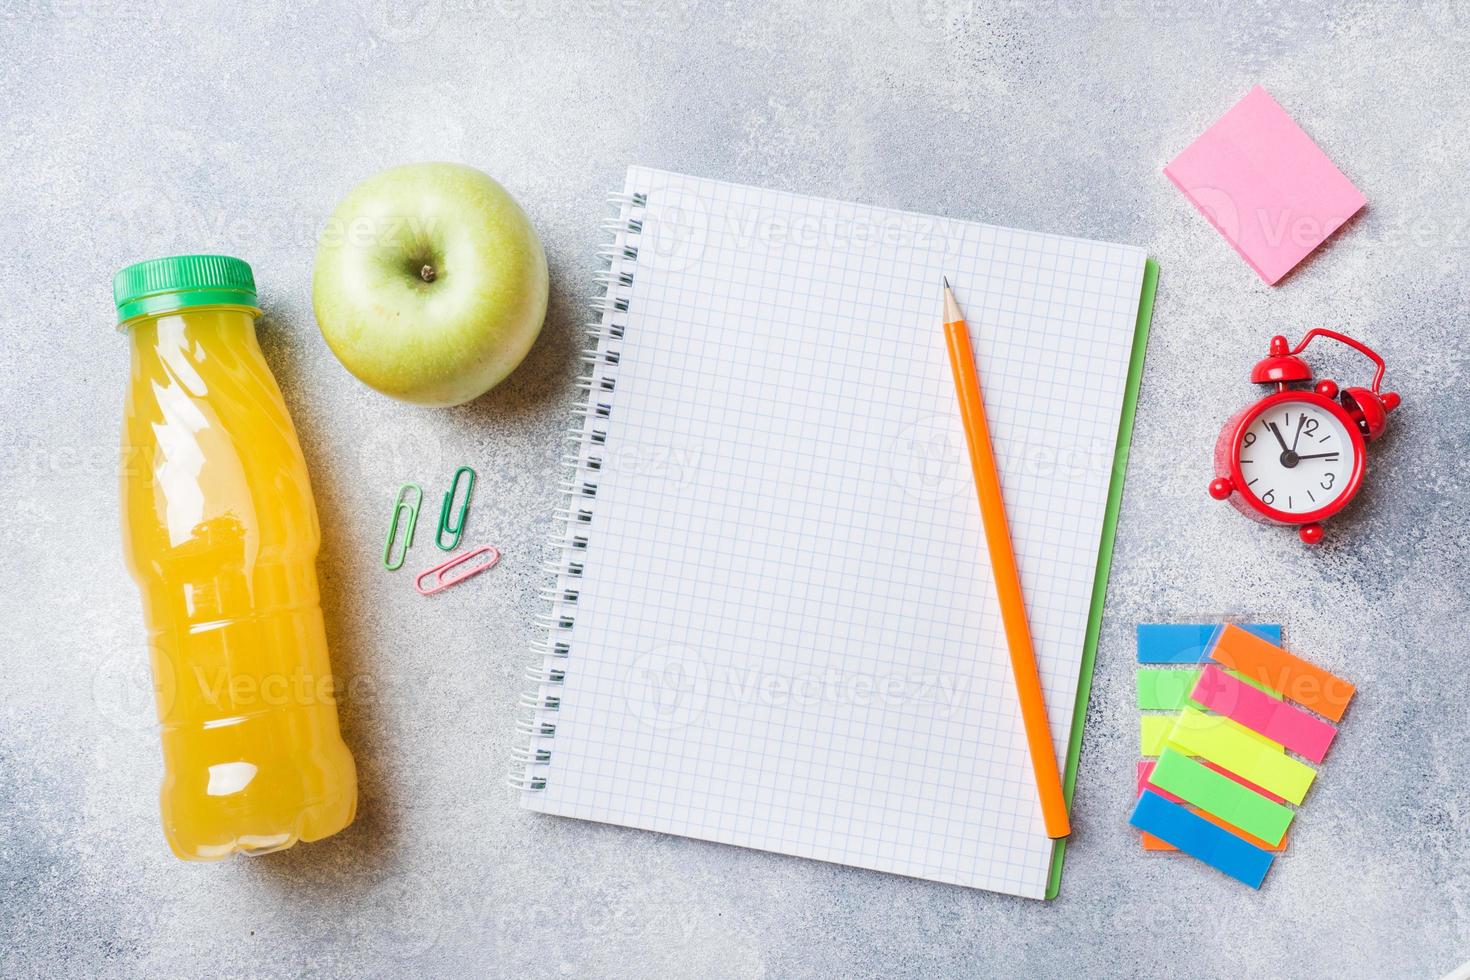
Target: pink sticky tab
1255, 709
1265, 185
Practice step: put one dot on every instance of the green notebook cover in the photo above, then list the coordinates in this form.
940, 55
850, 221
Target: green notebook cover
1105, 554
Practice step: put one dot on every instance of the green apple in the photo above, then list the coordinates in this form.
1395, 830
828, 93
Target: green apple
430, 283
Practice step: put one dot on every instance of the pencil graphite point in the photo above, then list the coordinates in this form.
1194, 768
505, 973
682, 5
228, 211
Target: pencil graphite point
952, 312
946, 281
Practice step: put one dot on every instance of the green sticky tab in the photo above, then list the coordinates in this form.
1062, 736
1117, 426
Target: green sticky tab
1243, 752
1224, 797
1167, 688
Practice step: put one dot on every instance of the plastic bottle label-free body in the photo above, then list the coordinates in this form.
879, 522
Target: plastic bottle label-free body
220, 532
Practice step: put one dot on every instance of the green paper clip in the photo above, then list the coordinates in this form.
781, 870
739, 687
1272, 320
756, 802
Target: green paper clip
457, 528
401, 504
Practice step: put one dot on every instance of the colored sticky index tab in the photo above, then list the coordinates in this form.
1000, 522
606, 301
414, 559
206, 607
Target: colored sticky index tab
1191, 782
1243, 752
1145, 769
1162, 689
1186, 643
1306, 684
1146, 766
1168, 688
1294, 728
1153, 733
1201, 839
1152, 843
1241, 780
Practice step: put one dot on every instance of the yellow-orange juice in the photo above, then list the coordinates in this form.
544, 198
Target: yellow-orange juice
220, 532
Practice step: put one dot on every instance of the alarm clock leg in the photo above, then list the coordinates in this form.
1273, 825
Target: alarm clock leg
1221, 487
1310, 533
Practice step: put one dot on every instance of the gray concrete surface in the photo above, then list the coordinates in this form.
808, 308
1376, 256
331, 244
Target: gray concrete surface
132, 129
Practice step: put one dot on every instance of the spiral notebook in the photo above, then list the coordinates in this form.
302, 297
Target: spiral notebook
772, 622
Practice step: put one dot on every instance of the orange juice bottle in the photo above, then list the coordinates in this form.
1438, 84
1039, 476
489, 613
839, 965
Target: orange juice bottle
220, 532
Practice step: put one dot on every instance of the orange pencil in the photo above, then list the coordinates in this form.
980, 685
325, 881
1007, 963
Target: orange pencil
1003, 563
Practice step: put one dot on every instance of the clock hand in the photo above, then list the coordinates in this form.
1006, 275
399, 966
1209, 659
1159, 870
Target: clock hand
1277, 433
1319, 456
1300, 421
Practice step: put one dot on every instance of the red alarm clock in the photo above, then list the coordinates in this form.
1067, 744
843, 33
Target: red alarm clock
1296, 456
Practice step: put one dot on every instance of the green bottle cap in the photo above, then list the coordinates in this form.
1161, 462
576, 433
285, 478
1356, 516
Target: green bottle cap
179, 281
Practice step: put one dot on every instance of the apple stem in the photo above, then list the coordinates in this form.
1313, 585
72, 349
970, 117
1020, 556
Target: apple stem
427, 273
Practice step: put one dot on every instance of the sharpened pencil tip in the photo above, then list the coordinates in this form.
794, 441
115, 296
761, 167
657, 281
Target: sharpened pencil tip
952, 312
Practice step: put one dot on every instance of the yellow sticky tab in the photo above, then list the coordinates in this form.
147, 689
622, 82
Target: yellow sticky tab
1242, 751
1153, 734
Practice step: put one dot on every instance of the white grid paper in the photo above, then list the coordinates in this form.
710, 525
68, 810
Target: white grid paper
786, 636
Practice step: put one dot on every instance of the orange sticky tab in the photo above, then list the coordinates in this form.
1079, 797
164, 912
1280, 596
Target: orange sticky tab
1152, 843
1263, 661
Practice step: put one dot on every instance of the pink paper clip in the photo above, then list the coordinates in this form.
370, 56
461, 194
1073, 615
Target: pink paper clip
441, 583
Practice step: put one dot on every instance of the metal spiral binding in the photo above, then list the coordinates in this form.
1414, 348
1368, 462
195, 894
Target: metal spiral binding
584, 456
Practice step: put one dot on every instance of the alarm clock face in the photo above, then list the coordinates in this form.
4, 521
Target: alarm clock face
1298, 458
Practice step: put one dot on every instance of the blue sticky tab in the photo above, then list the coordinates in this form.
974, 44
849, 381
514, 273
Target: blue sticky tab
1186, 643
1197, 837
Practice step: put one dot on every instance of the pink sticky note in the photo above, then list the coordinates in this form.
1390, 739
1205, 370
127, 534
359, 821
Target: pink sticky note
1265, 185
1279, 721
